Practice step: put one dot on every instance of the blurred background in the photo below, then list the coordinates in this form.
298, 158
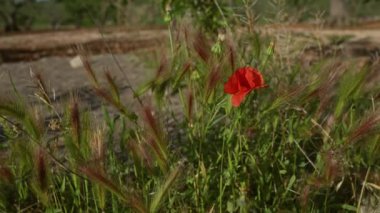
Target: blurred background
26, 15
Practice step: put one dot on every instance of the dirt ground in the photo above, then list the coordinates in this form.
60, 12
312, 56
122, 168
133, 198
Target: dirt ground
63, 80
53, 55
36, 45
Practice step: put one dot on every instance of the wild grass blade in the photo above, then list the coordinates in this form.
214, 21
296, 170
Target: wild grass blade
162, 191
100, 178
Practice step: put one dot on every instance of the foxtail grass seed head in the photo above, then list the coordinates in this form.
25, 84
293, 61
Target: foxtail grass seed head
202, 47
151, 122
162, 69
42, 176
367, 126
97, 146
333, 166
213, 80
43, 92
113, 86
89, 70
75, 120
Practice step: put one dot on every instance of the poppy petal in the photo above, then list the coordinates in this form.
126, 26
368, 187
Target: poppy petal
254, 78
258, 79
238, 98
231, 87
249, 75
243, 81
241, 75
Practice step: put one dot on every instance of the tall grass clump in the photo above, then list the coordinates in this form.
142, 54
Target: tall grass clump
307, 141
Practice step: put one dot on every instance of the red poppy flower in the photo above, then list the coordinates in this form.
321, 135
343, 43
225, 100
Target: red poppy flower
243, 81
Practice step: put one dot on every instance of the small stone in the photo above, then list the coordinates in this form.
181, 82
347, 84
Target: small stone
76, 62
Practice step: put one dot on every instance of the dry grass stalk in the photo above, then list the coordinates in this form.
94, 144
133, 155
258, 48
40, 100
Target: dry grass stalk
75, 120
202, 47
106, 95
157, 140
367, 126
90, 72
190, 106
141, 153
113, 86
43, 93
163, 190
100, 178
162, 69
304, 197
213, 80
186, 68
152, 123
97, 147
333, 166
231, 56
327, 88
42, 175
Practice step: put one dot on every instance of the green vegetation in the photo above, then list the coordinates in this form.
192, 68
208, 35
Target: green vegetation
23, 15
16, 15
309, 142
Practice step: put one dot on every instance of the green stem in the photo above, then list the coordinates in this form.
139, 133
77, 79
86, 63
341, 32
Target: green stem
171, 39
362, 190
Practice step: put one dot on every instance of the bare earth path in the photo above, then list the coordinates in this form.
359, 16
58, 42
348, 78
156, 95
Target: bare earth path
50, 53
54, 55
371, 35
31, 46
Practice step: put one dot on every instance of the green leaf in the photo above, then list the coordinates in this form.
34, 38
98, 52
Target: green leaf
349, 207
291, 182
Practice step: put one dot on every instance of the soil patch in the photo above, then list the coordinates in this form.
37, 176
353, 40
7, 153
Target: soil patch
33, 46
